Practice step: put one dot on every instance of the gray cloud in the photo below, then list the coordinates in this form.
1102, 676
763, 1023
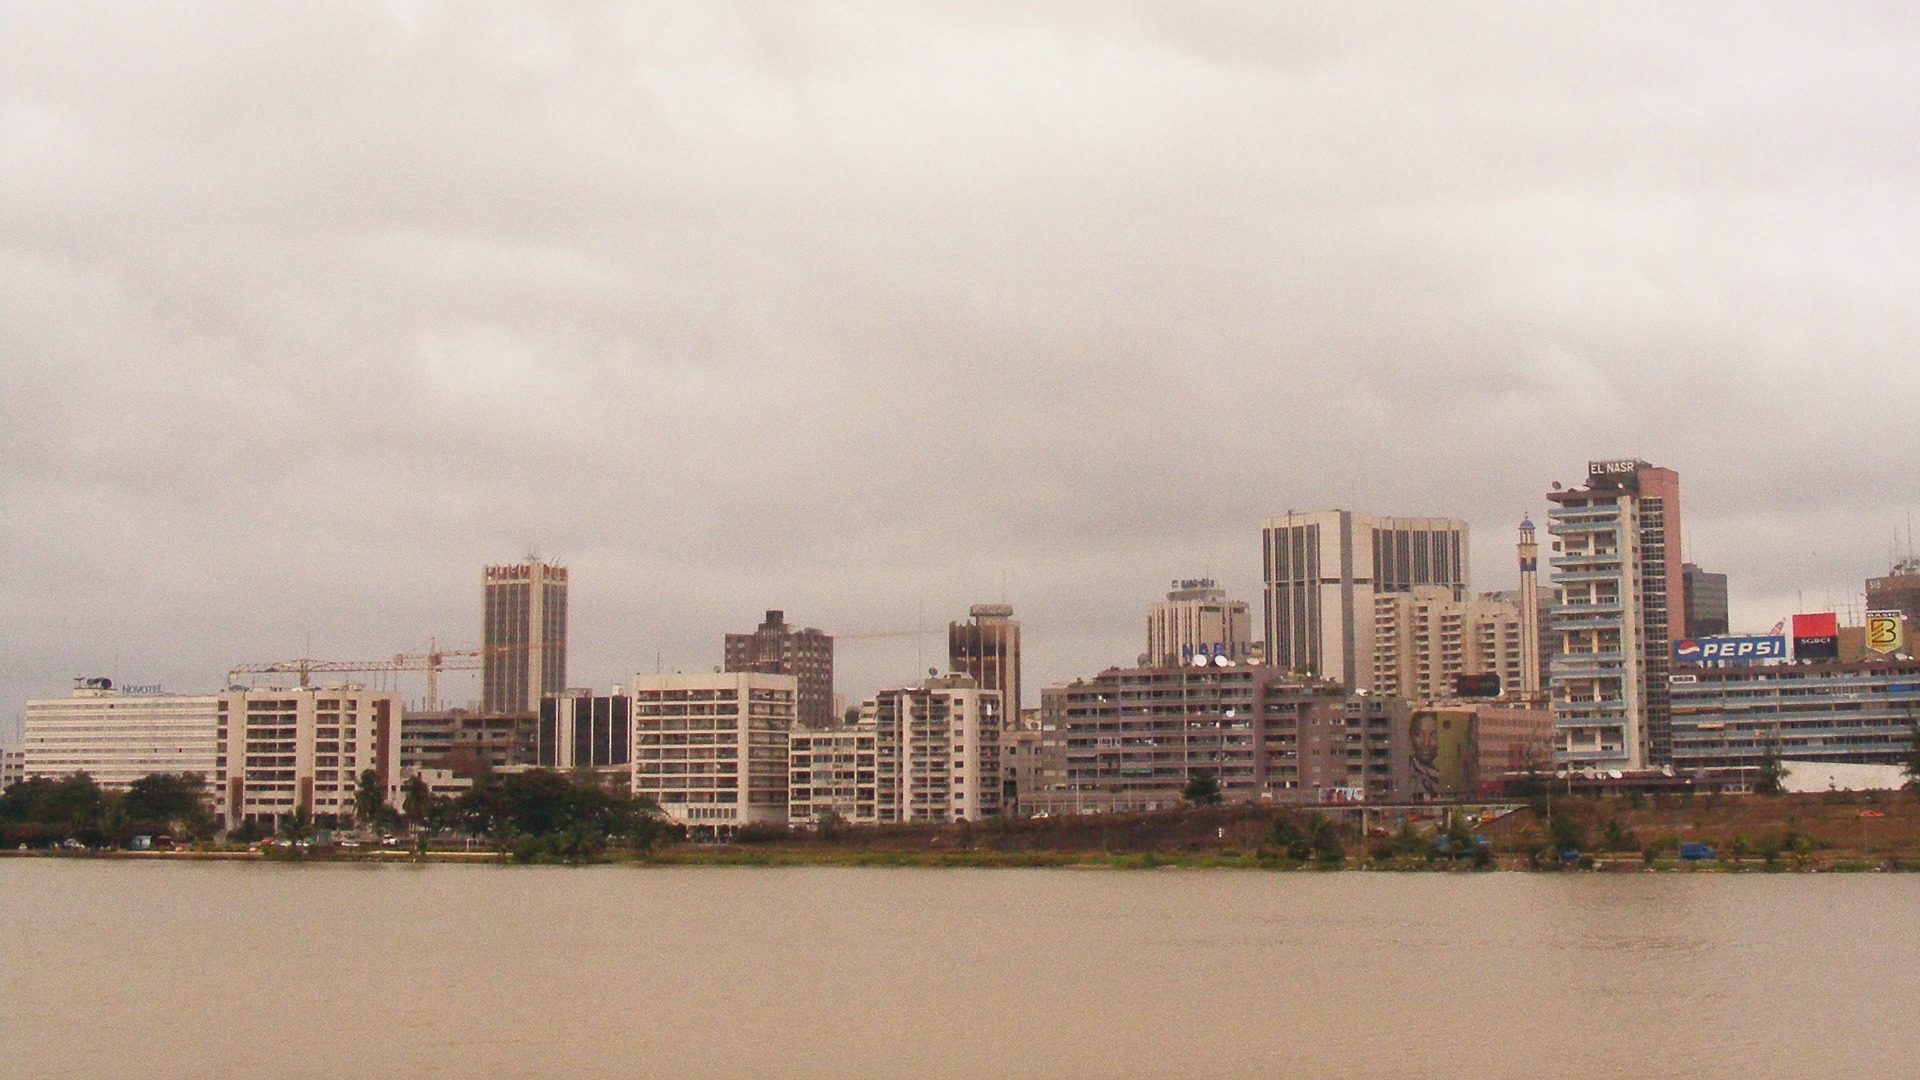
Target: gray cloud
871, 311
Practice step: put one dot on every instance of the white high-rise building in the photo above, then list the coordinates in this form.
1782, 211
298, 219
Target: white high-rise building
1197, 619
1323, 571
712, 749
1618, 581
938, 750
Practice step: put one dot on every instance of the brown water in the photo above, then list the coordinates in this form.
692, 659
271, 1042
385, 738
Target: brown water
207, 970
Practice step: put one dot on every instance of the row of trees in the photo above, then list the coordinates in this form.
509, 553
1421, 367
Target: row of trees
44, 811
538, 813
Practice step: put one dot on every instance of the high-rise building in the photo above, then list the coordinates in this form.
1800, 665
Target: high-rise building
1197, 619
1323, 571
284, 749
1617, 579
987, 647
832, 773
524, 636
1705, 601
938, 750
711, 750
1425, 640
1731, 716
775, 648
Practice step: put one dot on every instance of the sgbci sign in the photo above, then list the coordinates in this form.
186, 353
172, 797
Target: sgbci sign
1709, 650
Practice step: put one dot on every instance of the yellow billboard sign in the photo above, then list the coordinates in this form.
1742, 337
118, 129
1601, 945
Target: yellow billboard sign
1885, 632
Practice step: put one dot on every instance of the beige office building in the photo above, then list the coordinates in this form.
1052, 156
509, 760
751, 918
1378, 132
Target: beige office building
1197, 621
117, 736
711, 750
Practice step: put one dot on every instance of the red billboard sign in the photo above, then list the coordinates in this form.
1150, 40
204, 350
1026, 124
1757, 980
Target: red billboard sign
1816, 637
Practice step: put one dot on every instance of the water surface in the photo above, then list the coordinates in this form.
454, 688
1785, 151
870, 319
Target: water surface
216, 970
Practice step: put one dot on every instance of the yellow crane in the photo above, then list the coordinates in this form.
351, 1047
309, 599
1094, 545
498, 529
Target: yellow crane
433, 662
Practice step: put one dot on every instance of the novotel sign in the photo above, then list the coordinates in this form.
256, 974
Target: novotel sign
1709, 650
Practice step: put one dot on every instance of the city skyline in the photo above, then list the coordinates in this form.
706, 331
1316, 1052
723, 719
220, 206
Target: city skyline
660, 296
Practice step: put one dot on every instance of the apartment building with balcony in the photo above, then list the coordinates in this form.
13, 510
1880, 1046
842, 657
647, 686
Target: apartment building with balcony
1616, 575
285, 749
711, 749
937, 750
833, 774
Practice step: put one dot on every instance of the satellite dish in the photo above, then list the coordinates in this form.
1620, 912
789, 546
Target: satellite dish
1615, 774
1199, 660
1222, 660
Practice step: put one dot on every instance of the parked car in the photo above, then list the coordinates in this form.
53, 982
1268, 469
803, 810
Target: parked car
1695, 852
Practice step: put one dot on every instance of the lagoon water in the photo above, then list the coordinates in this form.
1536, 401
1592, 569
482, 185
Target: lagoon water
218, 970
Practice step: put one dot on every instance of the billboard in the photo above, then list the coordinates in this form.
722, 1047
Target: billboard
1734, 650
1476, 685
1816, 637
1886, 632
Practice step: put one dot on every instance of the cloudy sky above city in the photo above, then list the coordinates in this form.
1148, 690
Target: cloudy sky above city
872, 311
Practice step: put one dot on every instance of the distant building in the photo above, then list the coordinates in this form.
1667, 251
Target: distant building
1616, 573
938, 750
1458, 746
524, 636
1898, 591
1131, 739
987, 647
265, 753
583, 730
1323, 571
13, 766
1705, 601
117, 736
832, 773
1197, 619
1863, 713
711, 750
774, 648
1425, 640
286, 749
466, 742
1022, 767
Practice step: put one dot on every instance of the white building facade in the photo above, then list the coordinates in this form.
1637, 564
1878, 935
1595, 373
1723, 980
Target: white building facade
711, 749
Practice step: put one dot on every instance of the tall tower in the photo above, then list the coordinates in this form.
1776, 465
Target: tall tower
987, 647
1616, 573
524, 635
1529, 610
775, 648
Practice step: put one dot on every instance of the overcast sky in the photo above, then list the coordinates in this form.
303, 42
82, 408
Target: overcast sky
872, 311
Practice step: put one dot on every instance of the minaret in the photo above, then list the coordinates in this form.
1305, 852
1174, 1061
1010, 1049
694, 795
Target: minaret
1530, 673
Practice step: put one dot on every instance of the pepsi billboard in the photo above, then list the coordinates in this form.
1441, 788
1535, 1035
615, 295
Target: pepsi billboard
1729, 650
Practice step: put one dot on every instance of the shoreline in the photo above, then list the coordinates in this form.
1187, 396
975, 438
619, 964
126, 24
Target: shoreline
1829, 862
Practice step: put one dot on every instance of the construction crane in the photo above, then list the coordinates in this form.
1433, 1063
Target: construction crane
433, 662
